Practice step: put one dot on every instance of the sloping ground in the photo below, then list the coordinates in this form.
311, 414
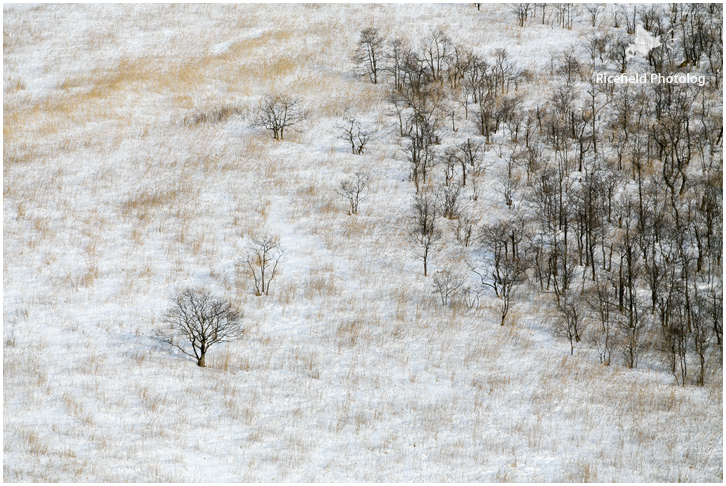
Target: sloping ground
116, 192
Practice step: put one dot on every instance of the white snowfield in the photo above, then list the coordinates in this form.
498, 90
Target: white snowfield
351, 369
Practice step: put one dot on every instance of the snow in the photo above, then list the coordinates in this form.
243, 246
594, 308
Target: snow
350, 370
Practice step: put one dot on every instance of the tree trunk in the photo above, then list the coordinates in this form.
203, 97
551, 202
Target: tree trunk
200, 361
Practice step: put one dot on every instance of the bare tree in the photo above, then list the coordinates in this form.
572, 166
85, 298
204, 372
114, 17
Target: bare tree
459, 63
594, 10
351, 189
570, 66
701, 331
425, 244
600, 300
618, 52
485, 116
398, 106
469, 158
437, 49
263, 257
652, 18
394, 60
630, 20
543, 8
503, 70
421, 133
503, 277
477, 82
464, 226
565, 14
449, 161
475, 173
674, 333
470, 297
521, 10
197, 320
570, 324
355, 134
447, 285
278, 113
369, 52
449, 201
424, 235
508, 189
597, 47
504, 270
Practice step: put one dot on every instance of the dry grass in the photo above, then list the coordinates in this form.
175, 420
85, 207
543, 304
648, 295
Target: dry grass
148, 200
34, 444
322, 282
214, 114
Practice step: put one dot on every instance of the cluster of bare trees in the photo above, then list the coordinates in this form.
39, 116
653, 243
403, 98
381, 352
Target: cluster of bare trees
629, 210
561, 15
615, 191
623, 209
689, 36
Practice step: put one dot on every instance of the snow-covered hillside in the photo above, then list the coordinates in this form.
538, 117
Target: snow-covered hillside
132, 168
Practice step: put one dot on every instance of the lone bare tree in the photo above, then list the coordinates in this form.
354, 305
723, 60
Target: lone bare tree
263, 257
278, 113
197, 320
351, 189
355, 134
